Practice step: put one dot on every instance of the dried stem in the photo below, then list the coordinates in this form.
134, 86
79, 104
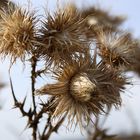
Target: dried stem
33, 80
51, 129
33, 77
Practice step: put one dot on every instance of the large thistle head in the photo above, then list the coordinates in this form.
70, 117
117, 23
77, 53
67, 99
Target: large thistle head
83, 89
116, 48
63, 35
17, 32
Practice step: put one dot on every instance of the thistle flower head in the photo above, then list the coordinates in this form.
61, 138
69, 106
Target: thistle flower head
17, 32
63, 35
116, 48
83, 89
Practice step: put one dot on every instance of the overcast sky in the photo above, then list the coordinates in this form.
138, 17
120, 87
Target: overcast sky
119, 121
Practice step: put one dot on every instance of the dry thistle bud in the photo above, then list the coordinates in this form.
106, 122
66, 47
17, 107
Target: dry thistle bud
17, 32
83, 89
116, 48
63, 35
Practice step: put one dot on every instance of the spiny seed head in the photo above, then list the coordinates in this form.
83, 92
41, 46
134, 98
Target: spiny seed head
82, 89
63, 35
116, 48
17, 32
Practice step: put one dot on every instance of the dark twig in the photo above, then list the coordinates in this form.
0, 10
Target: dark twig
20, 105
33, 77
52, 129
33, 80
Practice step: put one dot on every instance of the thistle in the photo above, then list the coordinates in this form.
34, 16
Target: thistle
62, 45
83, 89
116, 48
63, 35
99, 17
17, 32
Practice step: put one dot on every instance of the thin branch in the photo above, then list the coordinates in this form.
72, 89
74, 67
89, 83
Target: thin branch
52, 129
33, 80
33, 77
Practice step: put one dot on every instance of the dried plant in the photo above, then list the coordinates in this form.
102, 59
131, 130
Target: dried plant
116, 48
98, 132
63, 35
100, 17
17, 34
84, 86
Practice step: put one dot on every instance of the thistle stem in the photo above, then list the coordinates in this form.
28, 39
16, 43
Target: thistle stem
33, 78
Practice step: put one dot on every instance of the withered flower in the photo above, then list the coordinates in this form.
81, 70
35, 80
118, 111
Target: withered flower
96, 16
116, 48
17, 32
63, 35
83, 89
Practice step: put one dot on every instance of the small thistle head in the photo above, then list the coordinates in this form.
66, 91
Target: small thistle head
83, 89
98, 17
63, 35
116, 48
17, 32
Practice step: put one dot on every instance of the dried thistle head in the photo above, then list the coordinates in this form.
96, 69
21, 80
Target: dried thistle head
116, 48
63, 35
17, 32
83, 89
97, 16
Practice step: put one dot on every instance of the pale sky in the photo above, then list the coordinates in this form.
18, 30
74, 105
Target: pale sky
11, 124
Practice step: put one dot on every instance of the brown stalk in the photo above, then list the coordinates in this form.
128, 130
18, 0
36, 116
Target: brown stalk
33, 77
51, 129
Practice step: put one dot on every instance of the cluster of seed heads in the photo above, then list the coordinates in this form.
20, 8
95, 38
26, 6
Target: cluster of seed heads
84, 85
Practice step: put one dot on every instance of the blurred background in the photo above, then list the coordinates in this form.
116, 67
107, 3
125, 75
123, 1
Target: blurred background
125, 121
